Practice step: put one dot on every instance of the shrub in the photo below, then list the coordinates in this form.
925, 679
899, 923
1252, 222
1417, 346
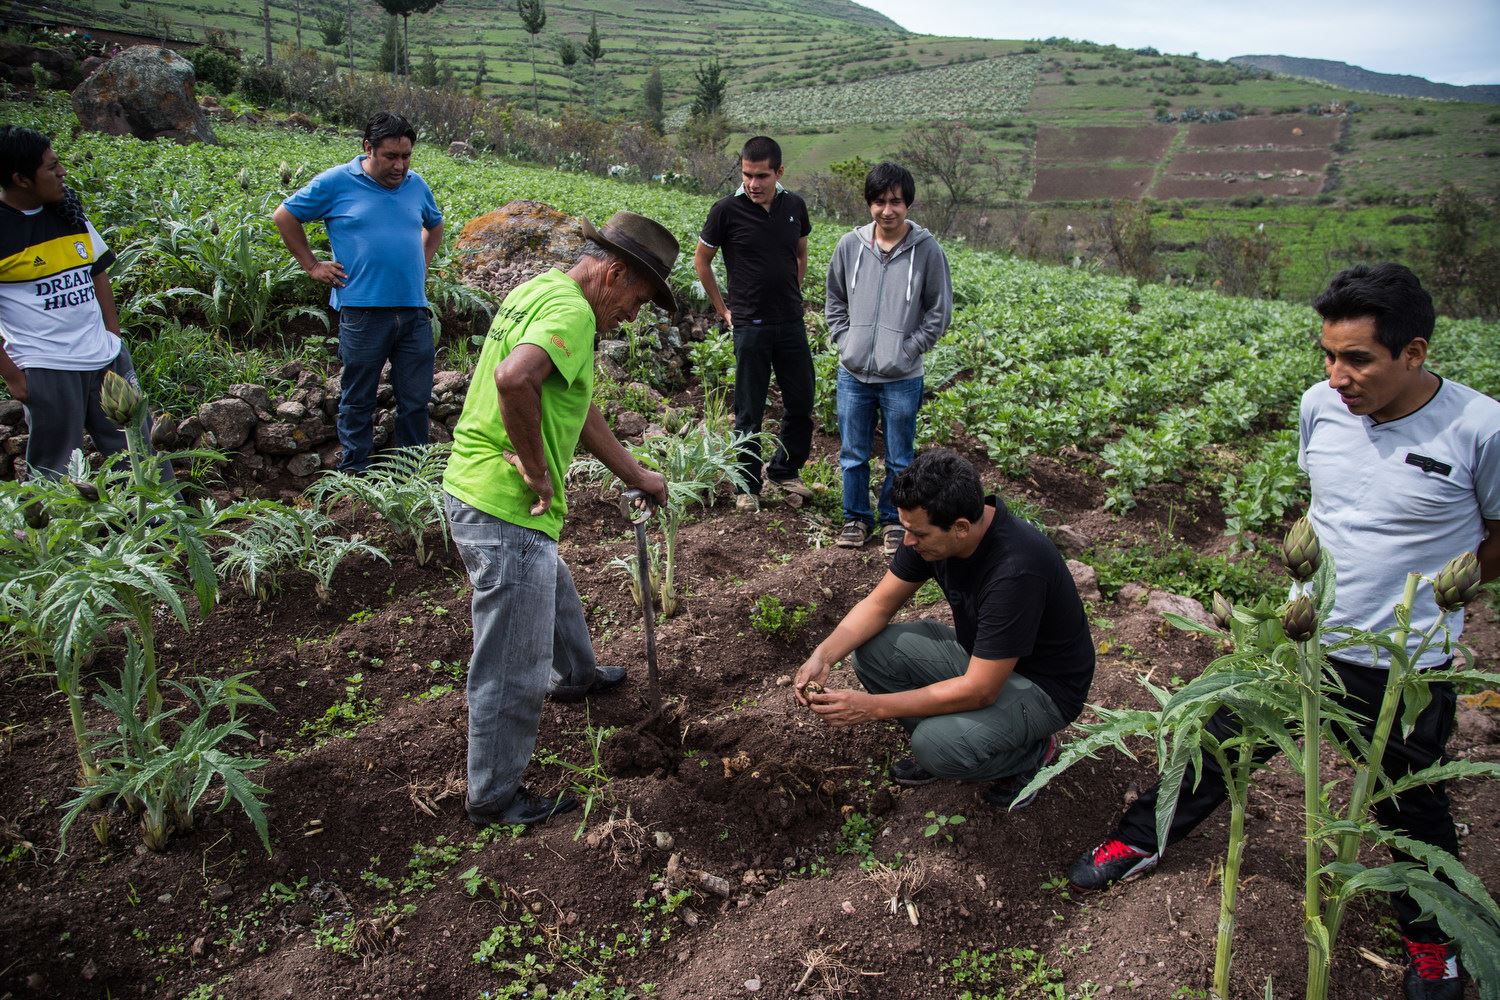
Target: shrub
217, 67
262, 83
773, 619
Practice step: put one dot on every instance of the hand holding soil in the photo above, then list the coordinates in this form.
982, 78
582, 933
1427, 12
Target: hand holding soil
810, 678
841, 707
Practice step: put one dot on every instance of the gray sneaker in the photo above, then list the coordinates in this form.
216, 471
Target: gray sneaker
891, 537
853, 535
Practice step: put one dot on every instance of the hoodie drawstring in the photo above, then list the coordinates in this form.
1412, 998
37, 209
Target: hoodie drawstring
911, 265
854, 278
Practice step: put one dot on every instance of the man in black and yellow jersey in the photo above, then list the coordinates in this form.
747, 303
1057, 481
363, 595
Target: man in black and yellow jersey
58, 323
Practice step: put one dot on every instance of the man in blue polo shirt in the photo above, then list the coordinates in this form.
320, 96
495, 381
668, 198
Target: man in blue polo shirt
763, 229
384, 226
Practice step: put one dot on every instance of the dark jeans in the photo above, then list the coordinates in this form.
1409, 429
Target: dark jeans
859, 404
1421, 813
759, 350
368, 338
61, 405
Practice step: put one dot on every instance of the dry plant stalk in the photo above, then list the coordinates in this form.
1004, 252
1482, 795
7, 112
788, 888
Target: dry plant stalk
426, 795
375, 935
622, 835
834, 977
901, 884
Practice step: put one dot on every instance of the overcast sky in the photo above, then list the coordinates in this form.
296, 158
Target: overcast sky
1450, 41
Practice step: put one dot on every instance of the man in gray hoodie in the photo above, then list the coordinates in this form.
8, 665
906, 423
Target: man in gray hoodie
889, 300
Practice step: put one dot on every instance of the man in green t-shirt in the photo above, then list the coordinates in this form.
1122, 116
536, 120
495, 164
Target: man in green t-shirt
529, 407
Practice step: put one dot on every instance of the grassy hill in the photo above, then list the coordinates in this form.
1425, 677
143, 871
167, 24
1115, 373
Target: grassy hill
1342, 74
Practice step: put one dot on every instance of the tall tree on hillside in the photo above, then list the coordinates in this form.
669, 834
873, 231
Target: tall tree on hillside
481, 70
655, 112
950, 154
265, 23
297, 7
331, 25
391, 59
567, 54
405, 9
708, 97
593, 51
533, 20
349, 34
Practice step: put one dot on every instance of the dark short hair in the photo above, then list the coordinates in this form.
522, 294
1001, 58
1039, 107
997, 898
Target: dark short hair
889, 175
1388, 293
762, 147
944, 484
21, 152
388, 126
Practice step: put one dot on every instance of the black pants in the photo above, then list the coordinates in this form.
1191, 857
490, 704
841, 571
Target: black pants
759, 350
1421, 813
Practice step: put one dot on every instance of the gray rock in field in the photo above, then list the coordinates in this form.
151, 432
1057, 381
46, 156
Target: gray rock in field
231, 421
1133, 593
614, 350
16, 444
279, 438
315, 430
1069, 540
461, 150
1161, 602
438, 433
629, 424
147, 92
304, 464
328, 455
1086, 579
447, 384
11, 412
291, 412
256, 395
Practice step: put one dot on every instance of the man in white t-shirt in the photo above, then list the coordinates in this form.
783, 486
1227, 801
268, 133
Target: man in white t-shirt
1405, 473
58, 323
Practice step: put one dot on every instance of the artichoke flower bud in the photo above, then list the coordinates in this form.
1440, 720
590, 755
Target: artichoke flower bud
87, 490
1300, 620
1457, 583
119, 399
1300, 551
1223, 611
36, 515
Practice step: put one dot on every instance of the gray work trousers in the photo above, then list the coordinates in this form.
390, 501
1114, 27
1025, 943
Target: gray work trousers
1003, 739
529, 635
61, 405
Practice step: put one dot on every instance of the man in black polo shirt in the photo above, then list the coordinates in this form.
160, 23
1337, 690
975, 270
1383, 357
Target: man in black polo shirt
763, 229
983, 700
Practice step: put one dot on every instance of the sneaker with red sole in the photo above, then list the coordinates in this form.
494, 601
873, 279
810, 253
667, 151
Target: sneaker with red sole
1432, 972
1112, 861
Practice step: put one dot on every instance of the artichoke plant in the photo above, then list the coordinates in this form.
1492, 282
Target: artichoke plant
1223, 611
1300, 620
1457, 583
1300, 551
120, 401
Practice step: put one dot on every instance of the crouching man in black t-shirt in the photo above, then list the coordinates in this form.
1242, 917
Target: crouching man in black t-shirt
985, 699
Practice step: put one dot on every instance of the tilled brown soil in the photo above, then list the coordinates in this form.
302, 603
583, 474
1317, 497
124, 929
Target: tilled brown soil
365, 894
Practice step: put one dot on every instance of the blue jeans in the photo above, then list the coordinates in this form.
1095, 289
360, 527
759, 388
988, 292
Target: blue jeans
897, 403
529, 636
368, 338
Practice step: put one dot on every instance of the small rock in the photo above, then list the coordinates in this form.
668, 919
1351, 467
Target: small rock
290, 411
11, 412
1133, 593
165, 897
663, 840
753, 985
1069, 540
1161, 602
305, 464
847, 907
461, 149
1086, 579
630, 424
784, 680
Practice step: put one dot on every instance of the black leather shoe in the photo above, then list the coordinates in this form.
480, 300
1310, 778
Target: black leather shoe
525, 808
605, 679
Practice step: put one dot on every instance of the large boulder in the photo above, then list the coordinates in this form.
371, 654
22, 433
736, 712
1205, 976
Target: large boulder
60, 66
232, 421
515, 243
146, 92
